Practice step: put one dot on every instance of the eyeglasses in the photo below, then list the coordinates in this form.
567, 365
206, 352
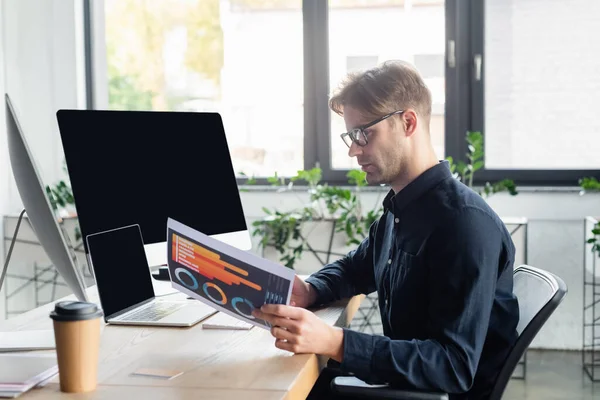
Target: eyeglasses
358, 135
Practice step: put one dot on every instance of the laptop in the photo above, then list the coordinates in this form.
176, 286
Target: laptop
124, 283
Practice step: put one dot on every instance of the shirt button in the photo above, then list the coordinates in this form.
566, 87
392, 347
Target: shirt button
390, 261
396, 220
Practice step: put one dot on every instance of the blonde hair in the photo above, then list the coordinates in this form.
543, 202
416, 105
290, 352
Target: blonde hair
391, 86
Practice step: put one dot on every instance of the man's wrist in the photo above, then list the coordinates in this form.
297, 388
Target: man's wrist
312, 294
337, 344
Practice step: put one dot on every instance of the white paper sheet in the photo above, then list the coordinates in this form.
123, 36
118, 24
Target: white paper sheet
27, 340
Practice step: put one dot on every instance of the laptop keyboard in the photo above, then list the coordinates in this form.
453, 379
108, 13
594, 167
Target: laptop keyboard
154, 312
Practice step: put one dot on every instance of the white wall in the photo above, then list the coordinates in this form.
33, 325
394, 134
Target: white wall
42, 65
556, 243
4, 172
41, 55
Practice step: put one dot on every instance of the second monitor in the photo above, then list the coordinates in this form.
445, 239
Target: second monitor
141, 167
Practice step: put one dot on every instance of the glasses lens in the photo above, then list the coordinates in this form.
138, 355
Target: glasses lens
358, 137
347, 139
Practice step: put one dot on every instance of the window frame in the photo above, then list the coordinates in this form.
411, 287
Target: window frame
464, 40
471, 34
88, 49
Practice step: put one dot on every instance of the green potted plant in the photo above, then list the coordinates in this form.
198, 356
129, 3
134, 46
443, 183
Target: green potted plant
340, 206
465, 171
60, 195
591, 184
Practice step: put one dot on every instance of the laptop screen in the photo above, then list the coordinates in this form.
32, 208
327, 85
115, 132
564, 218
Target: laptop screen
120, 267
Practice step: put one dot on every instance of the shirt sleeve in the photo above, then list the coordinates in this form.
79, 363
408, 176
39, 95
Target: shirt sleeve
348, 276
463, 257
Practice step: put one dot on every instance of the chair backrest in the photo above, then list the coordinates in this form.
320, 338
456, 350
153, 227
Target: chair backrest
539, 293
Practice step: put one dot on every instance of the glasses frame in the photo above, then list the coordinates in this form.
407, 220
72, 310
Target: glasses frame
356, 133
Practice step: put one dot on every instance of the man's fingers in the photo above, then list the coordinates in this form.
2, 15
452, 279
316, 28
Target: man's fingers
283, 345
286, 323
256, 313
274, 320
283, 334
282, 310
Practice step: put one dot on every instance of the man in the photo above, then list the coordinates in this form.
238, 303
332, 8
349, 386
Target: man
440, 259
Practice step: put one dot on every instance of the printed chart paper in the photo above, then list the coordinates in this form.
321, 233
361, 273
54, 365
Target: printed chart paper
229, 279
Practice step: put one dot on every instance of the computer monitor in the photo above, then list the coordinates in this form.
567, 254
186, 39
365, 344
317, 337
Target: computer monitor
39, 211
142, 167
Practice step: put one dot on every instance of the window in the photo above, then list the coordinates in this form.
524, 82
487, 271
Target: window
357, 63
217, 55
528, 71
541, 80
430, 65
404, 30
212, 55
523, 73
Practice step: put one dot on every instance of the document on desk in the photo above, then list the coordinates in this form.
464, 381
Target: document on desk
231, 280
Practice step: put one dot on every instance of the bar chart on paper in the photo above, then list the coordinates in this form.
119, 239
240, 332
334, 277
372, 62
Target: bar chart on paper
225, 277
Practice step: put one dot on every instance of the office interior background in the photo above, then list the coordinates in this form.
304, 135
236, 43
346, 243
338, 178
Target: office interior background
524, 73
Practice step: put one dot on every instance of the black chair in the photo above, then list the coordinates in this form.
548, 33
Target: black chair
539, 293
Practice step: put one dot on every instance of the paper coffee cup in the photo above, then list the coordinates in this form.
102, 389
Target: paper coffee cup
77, 336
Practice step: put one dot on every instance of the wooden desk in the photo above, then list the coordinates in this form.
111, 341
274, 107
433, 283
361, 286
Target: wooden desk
217, 364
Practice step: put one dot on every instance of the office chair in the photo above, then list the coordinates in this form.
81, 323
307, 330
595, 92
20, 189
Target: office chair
539, 293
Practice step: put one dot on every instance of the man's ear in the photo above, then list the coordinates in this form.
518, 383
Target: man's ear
410, 121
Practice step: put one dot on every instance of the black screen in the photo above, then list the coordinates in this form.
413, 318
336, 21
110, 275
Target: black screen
120, 267
141, 167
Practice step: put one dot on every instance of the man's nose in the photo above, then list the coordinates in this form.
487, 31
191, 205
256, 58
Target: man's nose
354, 150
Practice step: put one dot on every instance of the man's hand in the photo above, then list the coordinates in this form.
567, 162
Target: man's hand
301, 331
303, 294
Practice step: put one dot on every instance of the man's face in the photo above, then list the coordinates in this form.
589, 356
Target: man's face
383, 158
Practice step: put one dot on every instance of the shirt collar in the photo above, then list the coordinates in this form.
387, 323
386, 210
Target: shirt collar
423, 183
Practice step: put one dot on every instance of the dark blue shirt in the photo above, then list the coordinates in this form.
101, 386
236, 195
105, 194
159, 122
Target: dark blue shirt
441, 261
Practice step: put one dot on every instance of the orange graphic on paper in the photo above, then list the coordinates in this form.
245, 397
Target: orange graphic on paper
207, 263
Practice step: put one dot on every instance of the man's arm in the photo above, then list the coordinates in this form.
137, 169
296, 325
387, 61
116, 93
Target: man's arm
462, 258
347, 276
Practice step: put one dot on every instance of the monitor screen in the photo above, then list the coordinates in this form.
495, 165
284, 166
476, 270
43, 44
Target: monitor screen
142, 167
